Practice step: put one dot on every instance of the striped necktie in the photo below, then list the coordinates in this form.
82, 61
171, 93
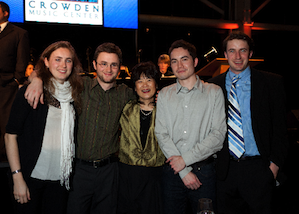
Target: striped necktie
235, 131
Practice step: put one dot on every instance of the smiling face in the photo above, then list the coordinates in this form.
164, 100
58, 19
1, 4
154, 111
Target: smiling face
60, 64
107, 66
237, 55
182, 64
145, 88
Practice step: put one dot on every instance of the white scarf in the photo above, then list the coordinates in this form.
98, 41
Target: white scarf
63, 93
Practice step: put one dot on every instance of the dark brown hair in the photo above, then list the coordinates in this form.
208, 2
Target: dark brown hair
5, 8
185, 45
74, 78
238, 35
108, 48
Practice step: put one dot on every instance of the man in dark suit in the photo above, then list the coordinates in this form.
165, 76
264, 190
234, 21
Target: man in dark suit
14, 56
246, 177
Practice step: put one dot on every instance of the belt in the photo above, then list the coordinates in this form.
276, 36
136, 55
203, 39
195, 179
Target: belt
245, 158
100, 162
203, 163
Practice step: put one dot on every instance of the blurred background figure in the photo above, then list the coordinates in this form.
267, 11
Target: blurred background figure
29, 69
14, 55
164, 63
123, 72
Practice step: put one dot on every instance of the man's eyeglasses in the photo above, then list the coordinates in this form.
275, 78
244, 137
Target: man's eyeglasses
113, 66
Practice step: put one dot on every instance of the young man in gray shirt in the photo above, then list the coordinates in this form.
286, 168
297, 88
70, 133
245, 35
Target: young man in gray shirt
190, 128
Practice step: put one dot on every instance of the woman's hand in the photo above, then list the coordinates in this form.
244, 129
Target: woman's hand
21, 191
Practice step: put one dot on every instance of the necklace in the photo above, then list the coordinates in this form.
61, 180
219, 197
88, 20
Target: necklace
146, 114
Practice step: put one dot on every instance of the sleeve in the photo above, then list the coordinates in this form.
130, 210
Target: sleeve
162, 132
213, 142
18, 114
279, 144
23, 52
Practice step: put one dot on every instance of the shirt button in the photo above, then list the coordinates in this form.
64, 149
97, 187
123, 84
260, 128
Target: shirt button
186, 106
185, 132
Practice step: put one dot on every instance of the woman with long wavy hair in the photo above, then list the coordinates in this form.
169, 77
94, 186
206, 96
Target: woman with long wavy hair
40, 142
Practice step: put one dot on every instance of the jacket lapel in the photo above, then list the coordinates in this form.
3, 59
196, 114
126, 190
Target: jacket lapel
7, 30
257, 92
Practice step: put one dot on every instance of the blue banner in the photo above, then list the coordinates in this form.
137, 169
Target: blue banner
121, 13
116, 13
16, 10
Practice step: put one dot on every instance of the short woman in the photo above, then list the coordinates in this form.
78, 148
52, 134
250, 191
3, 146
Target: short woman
141, 159
40, 142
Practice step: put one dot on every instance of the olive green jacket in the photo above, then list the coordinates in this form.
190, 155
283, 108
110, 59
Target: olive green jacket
131, 151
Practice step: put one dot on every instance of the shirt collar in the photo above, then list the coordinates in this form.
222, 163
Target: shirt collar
197, 85
3, 25
94, 83
243, 75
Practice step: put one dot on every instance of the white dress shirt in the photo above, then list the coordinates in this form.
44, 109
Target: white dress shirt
3, 25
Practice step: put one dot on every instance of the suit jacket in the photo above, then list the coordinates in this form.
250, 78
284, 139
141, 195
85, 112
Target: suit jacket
14, 54
14, 57
268, 115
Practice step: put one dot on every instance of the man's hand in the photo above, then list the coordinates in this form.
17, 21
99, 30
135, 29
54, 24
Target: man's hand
191, 181
177, 163
32, 75
274, 168
34, 92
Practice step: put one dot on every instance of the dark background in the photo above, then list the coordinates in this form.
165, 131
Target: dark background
278, 48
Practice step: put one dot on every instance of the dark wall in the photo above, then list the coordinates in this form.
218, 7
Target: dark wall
278, 48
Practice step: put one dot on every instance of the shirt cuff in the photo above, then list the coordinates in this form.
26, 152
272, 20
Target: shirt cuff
185, 171
187, 157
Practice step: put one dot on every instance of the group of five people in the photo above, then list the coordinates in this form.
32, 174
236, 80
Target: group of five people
165, 158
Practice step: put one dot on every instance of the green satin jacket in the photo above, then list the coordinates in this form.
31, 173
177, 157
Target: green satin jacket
131, 151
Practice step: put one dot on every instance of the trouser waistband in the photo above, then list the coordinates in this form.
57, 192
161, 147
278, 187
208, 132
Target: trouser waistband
100, 162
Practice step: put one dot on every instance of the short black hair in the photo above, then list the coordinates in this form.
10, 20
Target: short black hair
149, 69
185, 45
238, 35
5, 7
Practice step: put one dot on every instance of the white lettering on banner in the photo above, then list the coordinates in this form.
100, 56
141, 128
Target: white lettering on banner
65, 6
64, 12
